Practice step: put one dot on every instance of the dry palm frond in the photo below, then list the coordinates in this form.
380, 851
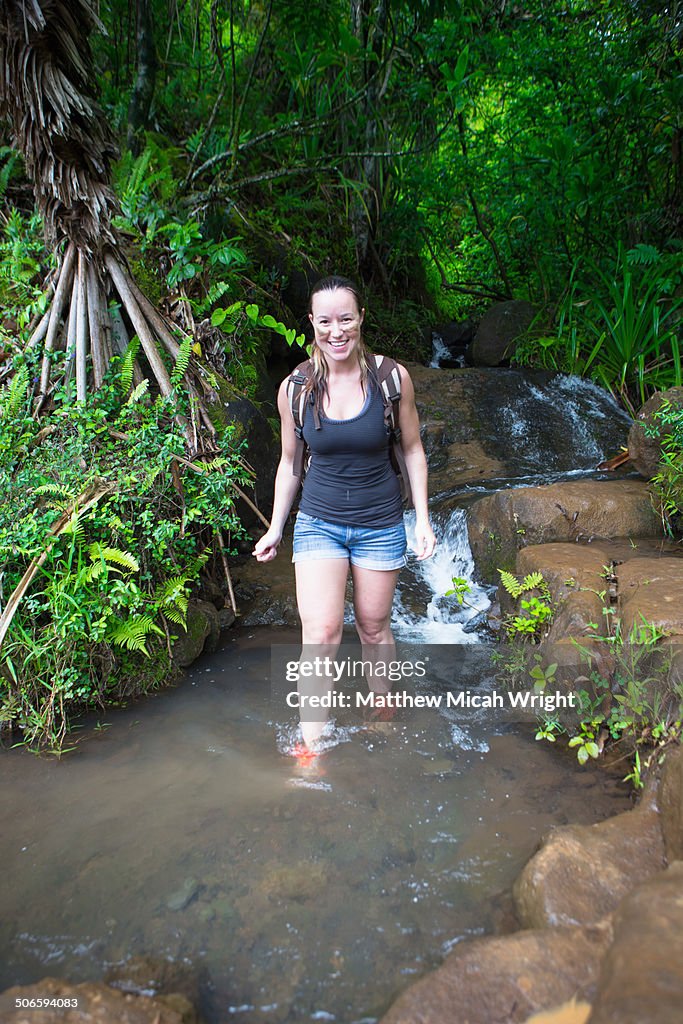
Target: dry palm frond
48, 96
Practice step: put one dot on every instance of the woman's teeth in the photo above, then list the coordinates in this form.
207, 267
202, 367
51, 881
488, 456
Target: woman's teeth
338, 344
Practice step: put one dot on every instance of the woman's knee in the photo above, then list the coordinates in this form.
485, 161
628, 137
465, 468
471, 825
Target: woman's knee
374, 632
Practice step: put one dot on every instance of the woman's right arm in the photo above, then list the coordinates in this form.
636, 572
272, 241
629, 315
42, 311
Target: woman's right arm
286, 484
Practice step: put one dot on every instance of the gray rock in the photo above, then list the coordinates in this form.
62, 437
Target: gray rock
500, 327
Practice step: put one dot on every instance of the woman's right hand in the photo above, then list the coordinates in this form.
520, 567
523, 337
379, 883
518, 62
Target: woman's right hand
265, 549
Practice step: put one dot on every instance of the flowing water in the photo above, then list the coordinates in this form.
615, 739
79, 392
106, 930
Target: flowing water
186, 830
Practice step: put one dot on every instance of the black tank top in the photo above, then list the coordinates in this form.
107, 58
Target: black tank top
350, 479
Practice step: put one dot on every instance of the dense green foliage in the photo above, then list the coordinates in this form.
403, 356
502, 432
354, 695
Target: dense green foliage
118, 523
447, 154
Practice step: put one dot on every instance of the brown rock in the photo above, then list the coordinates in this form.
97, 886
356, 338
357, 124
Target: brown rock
505, 979
502, 523
651, 592
500, 327
96, 1004
641, 981
581, 872
670, 800
645, 451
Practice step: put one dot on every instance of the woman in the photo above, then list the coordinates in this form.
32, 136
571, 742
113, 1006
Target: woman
351, 511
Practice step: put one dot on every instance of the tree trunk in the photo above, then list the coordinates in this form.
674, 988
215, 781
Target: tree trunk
143, 90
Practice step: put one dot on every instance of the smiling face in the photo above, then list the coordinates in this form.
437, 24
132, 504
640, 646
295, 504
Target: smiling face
336, 321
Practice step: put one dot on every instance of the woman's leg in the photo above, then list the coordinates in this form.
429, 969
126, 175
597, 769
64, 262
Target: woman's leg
373, 595
320, 592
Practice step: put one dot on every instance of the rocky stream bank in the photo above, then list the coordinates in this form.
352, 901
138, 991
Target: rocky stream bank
598, 910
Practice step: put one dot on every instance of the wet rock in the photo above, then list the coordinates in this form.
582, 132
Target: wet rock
641, 980
154, 976
184, 895
498, 330
226, 618
502, 523
203, 632
581, 872
651, 592
670, 800
645, 452
456, 335
505, 979
97, 1003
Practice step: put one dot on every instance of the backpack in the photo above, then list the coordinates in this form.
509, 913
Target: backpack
388, 378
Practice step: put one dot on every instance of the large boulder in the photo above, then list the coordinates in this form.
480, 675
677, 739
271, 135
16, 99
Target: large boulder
582, 872
645, 451
500, 327
502, 523
641, 980
505, 978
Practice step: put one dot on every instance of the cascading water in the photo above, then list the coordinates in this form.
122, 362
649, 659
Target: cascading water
422, 611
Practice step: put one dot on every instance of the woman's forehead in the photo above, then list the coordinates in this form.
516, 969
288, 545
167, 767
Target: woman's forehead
339, 301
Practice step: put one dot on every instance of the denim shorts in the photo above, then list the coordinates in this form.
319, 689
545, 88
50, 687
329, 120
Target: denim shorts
364, 546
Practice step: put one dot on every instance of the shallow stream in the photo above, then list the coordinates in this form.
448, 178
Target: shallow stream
184, 829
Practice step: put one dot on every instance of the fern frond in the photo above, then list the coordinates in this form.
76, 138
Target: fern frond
511, 583
15, 394
182, 360
115, 556
140, 390
55, 491
133, 632
533, 580
127, 365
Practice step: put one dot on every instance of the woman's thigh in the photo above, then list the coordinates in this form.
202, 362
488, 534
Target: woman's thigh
373, 595
320, 592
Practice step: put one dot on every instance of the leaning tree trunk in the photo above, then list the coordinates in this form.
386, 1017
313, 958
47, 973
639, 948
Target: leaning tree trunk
48, 96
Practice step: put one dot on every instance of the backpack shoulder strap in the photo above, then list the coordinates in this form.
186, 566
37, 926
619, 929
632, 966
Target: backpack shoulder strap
389, 380
296, 395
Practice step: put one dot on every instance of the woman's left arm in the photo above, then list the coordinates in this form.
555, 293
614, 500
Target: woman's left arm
416, 464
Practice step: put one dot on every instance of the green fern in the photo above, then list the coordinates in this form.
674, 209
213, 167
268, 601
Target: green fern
56, 491
515, 587
114, 556
133, 632
127, 365
139, 391
182, 361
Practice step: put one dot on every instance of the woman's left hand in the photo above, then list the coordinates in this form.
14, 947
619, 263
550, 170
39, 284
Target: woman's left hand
425, 541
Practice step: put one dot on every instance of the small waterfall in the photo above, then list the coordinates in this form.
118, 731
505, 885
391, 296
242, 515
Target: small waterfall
422, 612
439, 351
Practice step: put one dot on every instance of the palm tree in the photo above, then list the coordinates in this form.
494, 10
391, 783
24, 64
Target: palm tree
47, 94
